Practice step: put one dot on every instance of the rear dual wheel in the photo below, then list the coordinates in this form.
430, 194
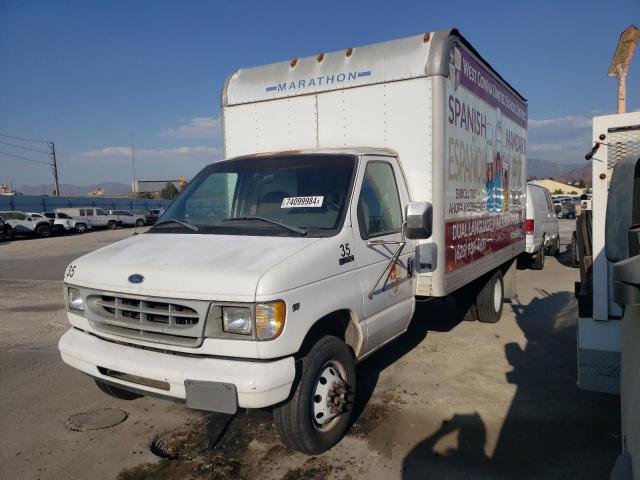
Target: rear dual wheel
490, 299
317, 415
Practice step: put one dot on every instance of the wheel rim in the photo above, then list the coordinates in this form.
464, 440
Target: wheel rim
497, 296
329, 399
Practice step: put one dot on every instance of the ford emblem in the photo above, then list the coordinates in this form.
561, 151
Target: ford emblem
136, 278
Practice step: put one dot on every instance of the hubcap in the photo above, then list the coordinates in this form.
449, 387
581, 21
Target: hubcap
497, 296
329, 398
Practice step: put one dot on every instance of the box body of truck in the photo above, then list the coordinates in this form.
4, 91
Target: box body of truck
459, 131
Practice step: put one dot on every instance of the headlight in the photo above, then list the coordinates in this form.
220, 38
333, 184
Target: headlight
75, 300
270, 320
237, 320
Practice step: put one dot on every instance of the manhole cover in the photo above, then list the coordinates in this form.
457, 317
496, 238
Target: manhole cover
96, 419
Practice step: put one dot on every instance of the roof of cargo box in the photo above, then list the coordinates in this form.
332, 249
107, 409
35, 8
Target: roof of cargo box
402, 59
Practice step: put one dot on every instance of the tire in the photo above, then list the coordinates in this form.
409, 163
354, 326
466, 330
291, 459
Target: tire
538, 263
81, 227
139, 223
43, 231
299, 421
490, 299
555, 247
111, 225
116, 392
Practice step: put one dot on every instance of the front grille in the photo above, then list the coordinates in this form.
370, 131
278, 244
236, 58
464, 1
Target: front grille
172, 314
158, 320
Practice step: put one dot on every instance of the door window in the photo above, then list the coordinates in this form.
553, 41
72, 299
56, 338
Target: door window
19, 216
99, 211
379, 209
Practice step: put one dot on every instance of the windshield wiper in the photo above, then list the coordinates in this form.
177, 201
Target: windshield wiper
291, 228
181, 222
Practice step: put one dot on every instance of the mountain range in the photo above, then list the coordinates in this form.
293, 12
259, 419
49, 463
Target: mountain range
109, 188
537, 168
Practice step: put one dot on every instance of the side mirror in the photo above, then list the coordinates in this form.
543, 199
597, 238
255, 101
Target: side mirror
419, 217
29, 219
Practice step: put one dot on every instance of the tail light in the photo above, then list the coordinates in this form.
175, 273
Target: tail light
528, 226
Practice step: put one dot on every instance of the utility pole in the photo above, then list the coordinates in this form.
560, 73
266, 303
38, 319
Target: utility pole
54, 166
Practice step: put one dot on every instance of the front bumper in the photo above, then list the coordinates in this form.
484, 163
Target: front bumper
257, 383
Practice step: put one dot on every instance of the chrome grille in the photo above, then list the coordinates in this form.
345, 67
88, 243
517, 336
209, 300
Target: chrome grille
159, 320
171, 314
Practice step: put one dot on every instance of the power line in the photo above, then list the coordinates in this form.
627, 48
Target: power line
25, 148
24, 139
24, 158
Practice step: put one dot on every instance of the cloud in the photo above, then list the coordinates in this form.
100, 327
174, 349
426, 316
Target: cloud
560, 146
568, 121
176, 153
199, 127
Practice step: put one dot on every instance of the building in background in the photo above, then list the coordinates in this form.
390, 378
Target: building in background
559, 187
166, 189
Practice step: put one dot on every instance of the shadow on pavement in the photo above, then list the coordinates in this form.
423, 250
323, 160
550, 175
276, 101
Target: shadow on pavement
438, 315
552, 429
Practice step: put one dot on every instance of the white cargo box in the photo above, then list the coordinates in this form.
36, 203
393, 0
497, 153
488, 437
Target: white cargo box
459, 129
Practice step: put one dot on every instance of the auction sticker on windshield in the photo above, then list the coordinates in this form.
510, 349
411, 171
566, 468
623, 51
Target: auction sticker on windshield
296, 202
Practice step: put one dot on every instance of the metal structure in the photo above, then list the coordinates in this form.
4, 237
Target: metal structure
599, 339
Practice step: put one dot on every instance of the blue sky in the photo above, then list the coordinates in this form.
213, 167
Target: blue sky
84, 74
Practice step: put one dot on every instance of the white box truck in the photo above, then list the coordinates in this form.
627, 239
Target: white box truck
354, 182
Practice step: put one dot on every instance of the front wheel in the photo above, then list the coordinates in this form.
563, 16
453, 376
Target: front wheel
139, 223
111, 225
81, 227
317, 415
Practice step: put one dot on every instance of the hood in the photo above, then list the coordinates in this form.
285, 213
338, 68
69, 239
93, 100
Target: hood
220, 267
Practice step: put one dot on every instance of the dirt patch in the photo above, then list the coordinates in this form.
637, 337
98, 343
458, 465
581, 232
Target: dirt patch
376, 412
315, 469
97, 419
216, 447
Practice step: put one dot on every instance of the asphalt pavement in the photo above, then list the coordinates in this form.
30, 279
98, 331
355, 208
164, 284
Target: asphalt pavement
448, 400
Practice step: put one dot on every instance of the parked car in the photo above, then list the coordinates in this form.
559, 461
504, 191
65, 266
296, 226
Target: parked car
6, 230
68, 222
128, 218
153, 215
25, 224
56, 227
97, 217
541, 226
567, 210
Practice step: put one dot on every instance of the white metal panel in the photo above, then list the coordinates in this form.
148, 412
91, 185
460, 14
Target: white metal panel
382, 62
286, 124
603, 306
392, 115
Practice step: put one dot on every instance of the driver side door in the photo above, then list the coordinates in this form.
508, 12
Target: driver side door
388, 303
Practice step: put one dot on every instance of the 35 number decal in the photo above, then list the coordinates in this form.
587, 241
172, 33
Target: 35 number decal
345, 250
71, 270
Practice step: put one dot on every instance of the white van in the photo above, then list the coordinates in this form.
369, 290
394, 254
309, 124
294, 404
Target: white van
354, 181
542, 232
97, 217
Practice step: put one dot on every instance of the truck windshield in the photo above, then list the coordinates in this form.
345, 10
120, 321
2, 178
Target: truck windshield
289, 195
